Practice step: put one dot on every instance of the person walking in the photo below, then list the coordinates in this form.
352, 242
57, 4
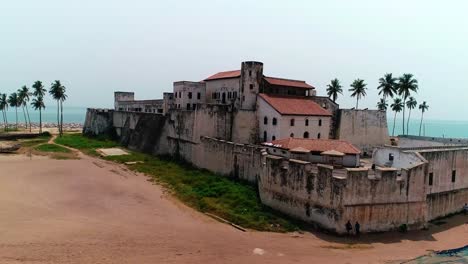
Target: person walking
349, 227
357, 228
465, 209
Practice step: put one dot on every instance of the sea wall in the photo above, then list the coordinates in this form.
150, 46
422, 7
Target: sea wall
366, 129
379, 200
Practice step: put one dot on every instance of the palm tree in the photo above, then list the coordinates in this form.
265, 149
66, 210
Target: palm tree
38, 104
39, 92
382, 105
57, 90
14, 102
406, 85
4, 107
358, 89
334, 88
387, 86
397, 106
24, 96
423, 107
411, 104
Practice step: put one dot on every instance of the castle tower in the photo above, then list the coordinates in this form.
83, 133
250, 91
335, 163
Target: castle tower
122, 96
250, 81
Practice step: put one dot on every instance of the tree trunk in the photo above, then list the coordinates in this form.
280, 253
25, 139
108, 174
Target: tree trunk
40, 120
357, 102
394, 121
404, 104
16, 110
407, 122
420, 125
61, 117
4, 119
25, 120
29, 118
58, 118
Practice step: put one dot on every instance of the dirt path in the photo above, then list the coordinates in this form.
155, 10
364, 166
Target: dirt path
94, 211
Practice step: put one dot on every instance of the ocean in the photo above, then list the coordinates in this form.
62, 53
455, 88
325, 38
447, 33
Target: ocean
71, 114
458, 255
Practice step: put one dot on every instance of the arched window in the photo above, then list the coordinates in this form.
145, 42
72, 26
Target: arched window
292, 122
265, 120
292, 135
274, 122
264, 136
273, 138
306, 134
318, 135
307, 122
320, 122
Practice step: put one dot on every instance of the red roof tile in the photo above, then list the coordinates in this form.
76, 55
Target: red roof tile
224, 75
294, 105
315, 145
288, 82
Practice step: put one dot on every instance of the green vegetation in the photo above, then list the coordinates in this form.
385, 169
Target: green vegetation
85, 144
35, 141
234, 201
52, 148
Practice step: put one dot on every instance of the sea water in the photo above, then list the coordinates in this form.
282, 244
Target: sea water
71, 114
431, 128
458, 255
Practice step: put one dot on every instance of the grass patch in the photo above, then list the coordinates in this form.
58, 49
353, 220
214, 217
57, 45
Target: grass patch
85, 144
34, 141
52, 148
234, 201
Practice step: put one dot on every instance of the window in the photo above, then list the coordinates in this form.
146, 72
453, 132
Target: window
454, 174
190, 95
175, 95
275, 121
265, 120
292, 122
431, 177
188, 106
180, 95
229, 95
320, 122
243, 98
264, 136
273, 138
318, 135
292, 135
194, 106
307, 122
250, 73
251, 86
234, 96
198, 96
306, 134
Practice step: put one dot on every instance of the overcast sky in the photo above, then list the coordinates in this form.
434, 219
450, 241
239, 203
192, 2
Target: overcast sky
97, 47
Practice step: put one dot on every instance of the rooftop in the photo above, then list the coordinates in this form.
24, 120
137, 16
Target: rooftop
224, 75
294, 105
287, 82
320, 145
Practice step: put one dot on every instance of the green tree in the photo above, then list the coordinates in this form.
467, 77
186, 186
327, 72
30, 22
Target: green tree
406, 85
423, 107
333, 89
4, 108
38, 104
382, 105
387, 86
411, 104
14, 102
39, 92
358, 89
57, 90
23, 97
397, 106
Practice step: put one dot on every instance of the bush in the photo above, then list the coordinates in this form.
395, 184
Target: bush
403, 228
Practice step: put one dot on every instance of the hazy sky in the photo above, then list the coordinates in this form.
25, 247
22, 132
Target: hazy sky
97, 47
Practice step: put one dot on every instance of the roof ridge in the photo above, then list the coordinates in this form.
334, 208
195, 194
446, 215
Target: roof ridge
286, 79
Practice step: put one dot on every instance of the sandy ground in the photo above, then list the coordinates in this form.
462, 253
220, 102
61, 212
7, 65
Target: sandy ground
93, 211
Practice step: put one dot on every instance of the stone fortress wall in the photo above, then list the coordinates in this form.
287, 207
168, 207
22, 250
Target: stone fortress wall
379, 199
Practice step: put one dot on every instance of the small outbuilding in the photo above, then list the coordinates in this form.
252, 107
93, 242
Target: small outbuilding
325, 151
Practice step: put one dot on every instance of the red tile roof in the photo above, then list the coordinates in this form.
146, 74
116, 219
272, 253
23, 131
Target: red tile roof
224, 75
294, 105
315, 145
288, 82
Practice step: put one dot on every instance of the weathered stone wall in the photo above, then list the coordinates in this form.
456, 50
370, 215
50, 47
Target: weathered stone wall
330, 198
331, 106
365, 129
98, 121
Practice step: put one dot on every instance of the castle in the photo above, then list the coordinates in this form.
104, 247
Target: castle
309, 158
